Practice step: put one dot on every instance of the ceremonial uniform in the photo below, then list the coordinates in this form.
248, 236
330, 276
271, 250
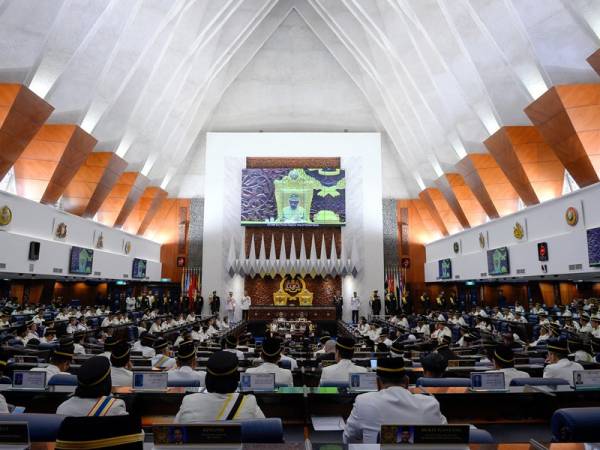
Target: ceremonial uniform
283, 377
161, 361
121, 376
340, 372
188, 372
562, 369
355, 307
78, 407
212, 406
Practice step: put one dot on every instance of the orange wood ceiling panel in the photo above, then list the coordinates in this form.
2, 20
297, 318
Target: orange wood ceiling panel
145, 210
594, 61
94, 178
568, 118
432, 231
500, 191
22, 114
467, 169
427, 198
137, 189
113, 204
445, 211
444, 187
473, 210
50, 161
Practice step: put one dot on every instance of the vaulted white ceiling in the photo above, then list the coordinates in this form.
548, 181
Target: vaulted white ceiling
149, 78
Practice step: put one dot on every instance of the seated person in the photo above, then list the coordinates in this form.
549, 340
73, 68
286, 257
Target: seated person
221, 402
186, 363
162, 359
60, 359
328, 353
271, 354
78, 349
285, 357
92, 395
340, 372
49, 336
145, 346
120, 372
444, 348
229, 344
397, 348
577, 350
503, 358
434, 365
559, 365
392, 403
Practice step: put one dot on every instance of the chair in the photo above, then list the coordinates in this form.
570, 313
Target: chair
262, 431
337, 384
477, 436
576, 424
63, 379
42, 427
444, 382
537, 381
122, 432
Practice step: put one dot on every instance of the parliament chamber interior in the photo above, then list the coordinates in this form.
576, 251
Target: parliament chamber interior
298, 224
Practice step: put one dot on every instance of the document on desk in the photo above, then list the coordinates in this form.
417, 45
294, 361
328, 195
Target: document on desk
328, 423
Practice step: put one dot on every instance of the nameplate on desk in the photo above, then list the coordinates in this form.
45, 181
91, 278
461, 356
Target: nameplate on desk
150, 381
363, 382
24, 359
488, 382
14, 435
257, 382
438, 435
586, 379
222, 434
25, 379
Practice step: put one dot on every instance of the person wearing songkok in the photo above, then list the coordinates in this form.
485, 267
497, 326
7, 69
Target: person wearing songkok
146, 342
271, 354
322, 341
559, 365
328, 353
92, 395
503, 358
434, 365
60, 359
577, 350
392, 403
543, 337
229, 344
397, 348
3, 365
78, 349
31, 332
49, 336
121, 364
444, 348
109, 343
162, 360
186, 363
221, 402
340, 372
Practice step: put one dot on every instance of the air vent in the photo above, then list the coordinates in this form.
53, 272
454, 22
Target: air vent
2, 266
31, 267
520, 271
575, 266
97, 274
483, 274
57, 270
125, 275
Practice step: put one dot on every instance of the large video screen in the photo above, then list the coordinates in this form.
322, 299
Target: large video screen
288, 197
81, 261
445, 269
139, 268
593, 241
498, 261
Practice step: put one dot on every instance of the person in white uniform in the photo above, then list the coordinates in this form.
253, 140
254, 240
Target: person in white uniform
230, 344
220, 402
341, 370
162, 359
355, 307
503, 358
271, 354
120, 361
92, 395
245, 304
60, 360
559, 365
186, 364
392, 403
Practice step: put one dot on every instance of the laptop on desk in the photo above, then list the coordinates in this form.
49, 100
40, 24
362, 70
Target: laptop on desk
29, 380
150, 381
14, 436
488, 382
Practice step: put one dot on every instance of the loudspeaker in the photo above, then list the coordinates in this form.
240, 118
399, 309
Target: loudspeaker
34, 251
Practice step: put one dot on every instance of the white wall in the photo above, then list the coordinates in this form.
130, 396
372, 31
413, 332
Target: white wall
226, 157
546, 222
34, 221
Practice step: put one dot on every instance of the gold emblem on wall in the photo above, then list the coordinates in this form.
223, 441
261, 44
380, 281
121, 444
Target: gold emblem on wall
481, 240
100, 241
127, 247
5, 215
518, 231
292, 290
61, 231
572, 216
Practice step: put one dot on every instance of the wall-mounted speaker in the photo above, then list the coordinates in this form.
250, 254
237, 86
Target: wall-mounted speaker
34, 251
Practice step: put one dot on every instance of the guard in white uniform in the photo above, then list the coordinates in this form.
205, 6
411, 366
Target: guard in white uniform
504, 361
271, 354
162, 360
120, 360
220, 402
186, 364
391, 404
340, 372
60, 360
559, 365
92, 396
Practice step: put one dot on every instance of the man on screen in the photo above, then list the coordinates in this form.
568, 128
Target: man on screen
293, 213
